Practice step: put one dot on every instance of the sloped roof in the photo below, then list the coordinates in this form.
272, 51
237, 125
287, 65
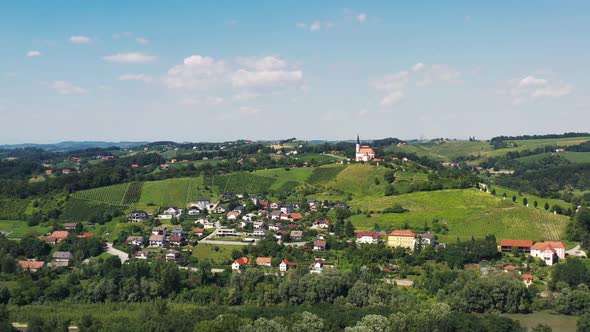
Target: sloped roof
401, 232
60, 234
263, 260
552, 245
242, 261
32, 265
516, 243
371, 234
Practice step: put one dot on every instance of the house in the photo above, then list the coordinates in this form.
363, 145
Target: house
59, 235
426, 239
220, 209
276, 227
296, 235
367, 237
159, 230
286, 209
70, 226
62, 258
172, 255
363, 152
318, 265
142, 254
511, 268
199, 232
275, 215
296, 216
227, 232
321, 223
285, 265
285, 216
177, 240
135, 240
259, 232
527, 279
401, 238
32, 266
157, 240
258, 224
239, 209
134, 165
263, 261
173, 211
312, 202
275, 205
240, 263
549, 251
319, 245
203, 203
194, 211
255, 200
521, 245
137, 216
66, 171
48, 172
229, 195
232, 215
85, 235
342, 205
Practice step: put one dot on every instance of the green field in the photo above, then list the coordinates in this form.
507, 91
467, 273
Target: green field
174, 192
207, 252
76, 210
558, 323
241, 182
113, 195
286, 180
18, 229
572, 156
467, 213
324, 174
530, 198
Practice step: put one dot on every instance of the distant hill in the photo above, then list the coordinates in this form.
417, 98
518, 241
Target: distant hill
72, 145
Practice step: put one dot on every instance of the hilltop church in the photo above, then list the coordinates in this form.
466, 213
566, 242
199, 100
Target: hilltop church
363, 152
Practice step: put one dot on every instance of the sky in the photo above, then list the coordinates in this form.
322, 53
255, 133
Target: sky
224, 70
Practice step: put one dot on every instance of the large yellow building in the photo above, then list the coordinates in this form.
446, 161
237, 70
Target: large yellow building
401, 238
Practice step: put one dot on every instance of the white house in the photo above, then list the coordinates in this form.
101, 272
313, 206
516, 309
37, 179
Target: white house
285, 265
367, 237
259, 232
549, 251
157, 240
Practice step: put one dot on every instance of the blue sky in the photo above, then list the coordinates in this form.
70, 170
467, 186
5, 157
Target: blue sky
220, 70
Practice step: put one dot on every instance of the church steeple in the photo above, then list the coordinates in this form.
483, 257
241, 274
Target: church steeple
358, 140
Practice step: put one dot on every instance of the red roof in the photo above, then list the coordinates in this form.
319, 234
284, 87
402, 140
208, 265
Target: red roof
527, 277
86, 235
31, 265
288, 263
60, 234
199, 230
296, 216
550, 244
511, 268
516, 243
319, 243
243, 261
371, 234
263, 260
400, 232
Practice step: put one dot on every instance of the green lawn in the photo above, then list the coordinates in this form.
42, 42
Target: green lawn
467, 212
207, 252
19, 228
559, 323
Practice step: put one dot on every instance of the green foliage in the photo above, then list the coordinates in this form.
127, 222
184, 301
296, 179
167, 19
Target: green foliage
113, 195
76, 210
324, 174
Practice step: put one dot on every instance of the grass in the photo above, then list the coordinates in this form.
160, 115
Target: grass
559, 323
324, 174
76, 210
467, 213
207, 251
241, 182
19, 229
112, 195
530, 198
174, 192
285, 180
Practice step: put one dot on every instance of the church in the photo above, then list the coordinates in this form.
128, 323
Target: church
363, 152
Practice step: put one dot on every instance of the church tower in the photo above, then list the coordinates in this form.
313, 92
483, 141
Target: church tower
358, 143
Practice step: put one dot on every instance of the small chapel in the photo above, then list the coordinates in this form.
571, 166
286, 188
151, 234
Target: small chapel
363, 152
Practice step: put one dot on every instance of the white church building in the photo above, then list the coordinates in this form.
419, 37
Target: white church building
363, 152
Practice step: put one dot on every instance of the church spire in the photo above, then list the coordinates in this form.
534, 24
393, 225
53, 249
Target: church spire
358, 141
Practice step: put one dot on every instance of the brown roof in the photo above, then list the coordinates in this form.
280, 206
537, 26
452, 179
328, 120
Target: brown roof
371, 234
296, 216
263, 260
31, 265
400, 232
527, 277
60, 234
319, 243
243, 261
516, 243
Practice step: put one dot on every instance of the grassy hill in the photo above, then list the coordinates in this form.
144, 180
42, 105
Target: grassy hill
467, 212
574, 157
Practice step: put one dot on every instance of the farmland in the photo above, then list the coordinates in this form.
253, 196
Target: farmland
324, 174
574, 157
240, 183
80, 209
174, 192
15, 229
466, 212
113, 195
217, 254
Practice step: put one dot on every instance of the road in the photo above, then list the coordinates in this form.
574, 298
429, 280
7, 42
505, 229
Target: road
576, 251
116, 252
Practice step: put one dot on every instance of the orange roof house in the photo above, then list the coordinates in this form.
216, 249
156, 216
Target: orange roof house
238, 263
31, 265
521, 245
263, 261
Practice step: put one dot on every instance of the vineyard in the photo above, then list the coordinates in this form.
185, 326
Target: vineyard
133, 193
76, 210
241, 183
113, 195
174, 192
324, 174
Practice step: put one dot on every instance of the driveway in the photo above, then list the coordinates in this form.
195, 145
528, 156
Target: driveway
116, 252
576, 251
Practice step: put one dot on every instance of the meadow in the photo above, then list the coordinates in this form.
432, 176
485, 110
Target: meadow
467, 213
16, 229
572, 156
221, 256
174, 192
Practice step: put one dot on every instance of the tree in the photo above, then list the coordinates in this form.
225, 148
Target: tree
504, 196
494, 191
535, 204
514, 199
546, 206
264, 325
308, 322
389, 177
389, 190
349, 229
583, 323
525, 201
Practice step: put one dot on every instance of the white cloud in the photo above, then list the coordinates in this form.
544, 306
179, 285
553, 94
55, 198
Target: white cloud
316, 25
214, 100
33, 53
142, 41
245, 96
122, 35
134, 57
418, 66
362, 17
248, 110
530, 88
137, 77
66, 88
195, 72
262, 63
393, 86
392, 98
80, 40
265, 78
